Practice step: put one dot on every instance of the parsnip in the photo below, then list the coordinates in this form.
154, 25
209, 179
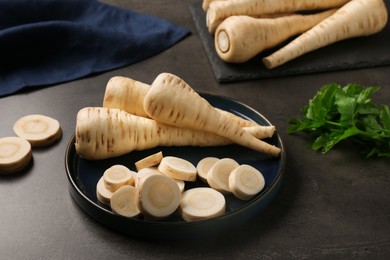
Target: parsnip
116, 176
201, 203
204, 166
15, 154
124, 202
102, 193
150, 161
356, 18
39, 130
128, 94
218, 175
172, 101
240, 38
103, 133
178, 168
245, 182
158, 196
220, 10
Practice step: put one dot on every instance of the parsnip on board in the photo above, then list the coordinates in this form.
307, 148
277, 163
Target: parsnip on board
240, 38
220, 10
355, 19
172, 101
128, 94
103, 133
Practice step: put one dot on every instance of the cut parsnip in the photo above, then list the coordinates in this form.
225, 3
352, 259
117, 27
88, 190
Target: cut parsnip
102, 193
15, 154
39, 130
149, 161
245, 182
116, 176
178, 168
201, 203
218, 175
145, 172
124, 201
159, 196
204, 166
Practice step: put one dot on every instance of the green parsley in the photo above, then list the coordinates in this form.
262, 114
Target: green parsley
337, 113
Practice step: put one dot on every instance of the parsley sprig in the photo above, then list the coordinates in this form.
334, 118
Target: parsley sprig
337, 113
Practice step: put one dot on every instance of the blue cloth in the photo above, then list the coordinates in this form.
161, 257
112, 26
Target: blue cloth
44, 42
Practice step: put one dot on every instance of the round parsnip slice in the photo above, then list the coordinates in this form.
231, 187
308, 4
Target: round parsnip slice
116, 176
246, 181
102, 193
201, 203
218, 175
39, 130
204, 166
149, 161
15, 154
124, 201
178, 168
159, 196
145, 172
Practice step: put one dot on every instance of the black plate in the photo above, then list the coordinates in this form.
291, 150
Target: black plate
84, 174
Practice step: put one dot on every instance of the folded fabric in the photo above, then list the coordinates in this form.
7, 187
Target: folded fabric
44, 42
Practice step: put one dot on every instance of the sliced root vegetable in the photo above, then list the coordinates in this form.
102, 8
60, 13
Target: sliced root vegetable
145, 172
218, 175
103, 133
159, 196
102, 193
124, 201
204, 166
178, 168
15, 154
150, 161
39, 130
240, 38
355, 19
172, 101
201, 203
126, 94
245, 182
116, 176
220, 10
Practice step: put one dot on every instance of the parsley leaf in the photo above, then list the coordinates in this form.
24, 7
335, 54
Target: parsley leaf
337, 113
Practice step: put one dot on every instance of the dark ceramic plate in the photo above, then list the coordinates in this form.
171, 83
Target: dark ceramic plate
84, 174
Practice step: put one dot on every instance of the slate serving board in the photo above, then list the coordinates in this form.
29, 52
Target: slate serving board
354, 53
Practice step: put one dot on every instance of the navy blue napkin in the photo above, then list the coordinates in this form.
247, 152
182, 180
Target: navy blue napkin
44, 42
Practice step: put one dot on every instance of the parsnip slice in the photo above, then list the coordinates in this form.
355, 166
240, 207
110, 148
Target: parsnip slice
245, 182
218, 175
15, 154
116, 176
102, 193
204, 166
124, 201
178, 168
149, 161
39, 130
159, 196
201, 203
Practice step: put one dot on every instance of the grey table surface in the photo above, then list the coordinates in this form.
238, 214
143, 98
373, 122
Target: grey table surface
330, 206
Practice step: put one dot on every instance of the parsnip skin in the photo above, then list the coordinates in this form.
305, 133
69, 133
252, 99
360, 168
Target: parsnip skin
192, 111
355, 19
220, 10
240, 38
